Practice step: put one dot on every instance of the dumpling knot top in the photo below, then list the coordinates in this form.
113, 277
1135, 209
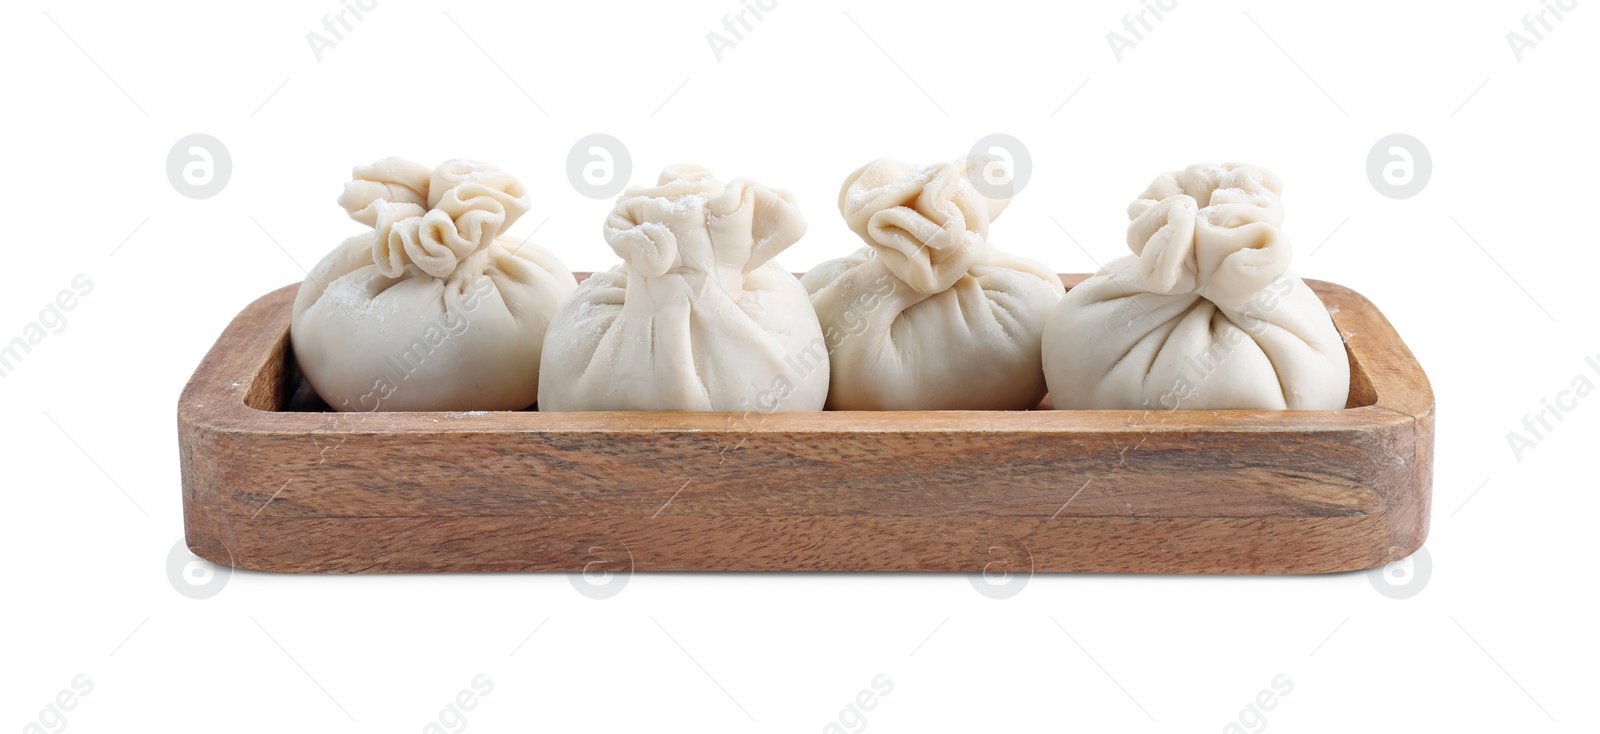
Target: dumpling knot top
432, 219
429, 309
1210, 230
1205, 314
690, 220
697, 316
928, 225
930, 315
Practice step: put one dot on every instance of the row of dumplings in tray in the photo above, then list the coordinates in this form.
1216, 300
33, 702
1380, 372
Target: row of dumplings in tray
434, 308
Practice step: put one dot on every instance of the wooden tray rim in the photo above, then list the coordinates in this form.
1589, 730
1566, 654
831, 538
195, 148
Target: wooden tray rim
217, 398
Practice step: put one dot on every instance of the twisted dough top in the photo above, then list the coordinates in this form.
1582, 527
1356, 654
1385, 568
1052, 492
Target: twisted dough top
690, 220
432, 219
928, 224
1210, 229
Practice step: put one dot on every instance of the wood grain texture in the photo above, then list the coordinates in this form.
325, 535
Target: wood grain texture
305, 490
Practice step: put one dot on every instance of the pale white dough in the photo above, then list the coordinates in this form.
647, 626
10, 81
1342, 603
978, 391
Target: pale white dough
431, 309
698, 316
929, 315
1205, 314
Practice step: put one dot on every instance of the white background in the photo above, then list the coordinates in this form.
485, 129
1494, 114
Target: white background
1489, 274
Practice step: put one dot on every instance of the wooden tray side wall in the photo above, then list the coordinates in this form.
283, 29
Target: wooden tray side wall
1106, 491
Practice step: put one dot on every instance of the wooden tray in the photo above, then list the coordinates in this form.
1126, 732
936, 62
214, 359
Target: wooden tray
270, 482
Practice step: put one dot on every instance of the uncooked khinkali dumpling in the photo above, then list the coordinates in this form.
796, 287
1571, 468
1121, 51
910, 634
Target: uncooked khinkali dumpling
1205, 314
698, 316
930, 316
429, 310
